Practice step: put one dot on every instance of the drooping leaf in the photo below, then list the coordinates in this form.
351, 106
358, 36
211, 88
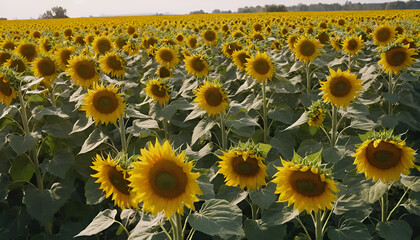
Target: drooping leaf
265, 196
278, 214
234, 195
144, 228
217, 217
22, 169
93, 194
350, 229
81, 124
60, 164
201, 128
255, 230
413, 203
21, 144
412, 182
102, 221
95, 139
302, 119
373, 193
394, 230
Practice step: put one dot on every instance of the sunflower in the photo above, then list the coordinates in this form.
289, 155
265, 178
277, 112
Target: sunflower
323, 37
83, 71
4, 56
237, 34
341, 88
306, 49
383, 35
28, 51
305, 187
163, 181
229, 47
336, 43
132, 48
192, 42
210, 37
243, 168
120, 42
103, 104
384, 159
164, 72
158, 90
167, 57
276, 45
316, 114
7, 93
8, 44
114, 181
63, 55
179, 38
397, 58
406, 40
260, 67
44, 67
212, 98
352, 45
45, 44
196, 65
17, 64
240, 58
291, 40
113, 64
101, 45
80, 40
257, 36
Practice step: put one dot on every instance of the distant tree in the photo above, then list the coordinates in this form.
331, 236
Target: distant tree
3, 18
275, 8
216, 11
55, 12
198, 12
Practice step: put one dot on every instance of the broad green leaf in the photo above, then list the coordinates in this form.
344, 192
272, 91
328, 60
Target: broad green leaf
93, 194
22, 169
4, 182
373, 193
283, 114
412, 182
102, 221
58, 128
393, 98
217, 217
49, 111
198, 112
285, 143
21, 144
413, 203
350, 229
206, 187
265, 196
255, 230
234, 195
29, 81
331, 154
146, 124
351, 206
201, 128
144, 228
60, 164
394, 230
242, 120
314, 158
126, 215
42, 205
278, 214
3, 136
95, 139
81, 124
363, 124
7, 110
302, 119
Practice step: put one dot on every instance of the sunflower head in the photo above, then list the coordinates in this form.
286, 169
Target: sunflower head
103, 104
212, 98
383, 156
291, 40
167, 57
131, 47
243, 166
158, 89
192, 41
196, 65
163, 72
4, 56
63, 55
7, 93
240, 58
114, 181
336, 43
383, 35
101, 45
8, 44
210, 37
352, 45
113, 64
229, 47
179, 38
305, 185
260, 67
16, 63
341, 88
163, 181
45, 67
276, 45
27, 50
120, 42
83, 71
316, 113
307, 49
323, 37
396, 57
80, 40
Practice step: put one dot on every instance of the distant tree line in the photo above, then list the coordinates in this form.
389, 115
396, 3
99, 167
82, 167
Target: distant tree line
3, 18
55, 12
347, 6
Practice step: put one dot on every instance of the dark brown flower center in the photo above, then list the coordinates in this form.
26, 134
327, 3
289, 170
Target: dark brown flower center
28, 51
118, 181
352, 44
85, 69
213, 96
210, 35
261, 66
396, 56
340, 86
243, 58
4, 56
307, 183
103, 45
65, 56
166, 55
46, 67
114, 63
159, 90
383, 35
18, 65
164, 72
167, 179
385, 156
307, 48
5, 88
105, 102
197, 64
247, 168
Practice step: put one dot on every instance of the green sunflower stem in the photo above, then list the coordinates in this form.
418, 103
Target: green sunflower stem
177, 233
165, 125
349, 62
390, 91
308, 81
121, 126
384, 207
223, 129
52, 97
334, 125
265, 119
319, 235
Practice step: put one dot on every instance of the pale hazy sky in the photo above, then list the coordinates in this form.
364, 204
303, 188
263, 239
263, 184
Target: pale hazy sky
26, 9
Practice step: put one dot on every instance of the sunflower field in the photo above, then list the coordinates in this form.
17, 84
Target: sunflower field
227, 126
